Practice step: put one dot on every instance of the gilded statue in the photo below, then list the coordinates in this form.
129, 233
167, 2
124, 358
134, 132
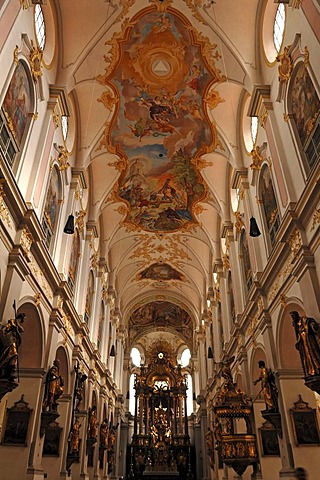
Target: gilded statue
104, 434
74, 438
93, 424
112, 437
53, 387
10, 341
308, 343
268, 387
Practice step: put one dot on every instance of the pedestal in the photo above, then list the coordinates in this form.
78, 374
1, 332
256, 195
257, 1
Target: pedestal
6, 387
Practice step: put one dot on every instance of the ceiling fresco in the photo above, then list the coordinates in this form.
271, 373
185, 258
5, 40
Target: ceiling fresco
160, 271
160, 75
161, 315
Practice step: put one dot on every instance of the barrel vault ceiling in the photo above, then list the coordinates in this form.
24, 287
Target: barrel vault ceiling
158, 88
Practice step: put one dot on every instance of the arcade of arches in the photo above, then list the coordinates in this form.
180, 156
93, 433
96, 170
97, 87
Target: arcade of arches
159, 239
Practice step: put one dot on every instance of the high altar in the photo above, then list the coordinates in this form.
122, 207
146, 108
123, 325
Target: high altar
160, 445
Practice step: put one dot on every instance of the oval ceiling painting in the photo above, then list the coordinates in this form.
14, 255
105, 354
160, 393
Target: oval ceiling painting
160, 126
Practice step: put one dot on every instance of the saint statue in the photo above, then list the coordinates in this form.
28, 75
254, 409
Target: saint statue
10, 341
53, 387
268, 387
93, 424
308, 343
74, 438
104, 433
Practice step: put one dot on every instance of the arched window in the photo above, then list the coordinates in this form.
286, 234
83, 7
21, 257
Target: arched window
40, 26
189, 395
89, 297
269, 204
74, 260
246, 265
15, 113
135, 357
52, 206
278, 27
185, 357
132, 392
304, 105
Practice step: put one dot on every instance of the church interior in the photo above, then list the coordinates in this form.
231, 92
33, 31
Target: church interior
159, 239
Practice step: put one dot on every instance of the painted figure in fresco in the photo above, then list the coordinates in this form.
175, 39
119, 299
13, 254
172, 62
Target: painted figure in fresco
193, 79
53, 387
10, 341
308, 343
17, 100
268, 387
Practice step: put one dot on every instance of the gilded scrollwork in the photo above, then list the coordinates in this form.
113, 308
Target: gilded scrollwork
35, 59
26, 241
239, 224
256, 158
4, 212
295, 242
286, 65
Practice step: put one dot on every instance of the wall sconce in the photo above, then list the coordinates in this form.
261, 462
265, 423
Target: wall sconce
69, 227
112, 351
254, 229
210, 352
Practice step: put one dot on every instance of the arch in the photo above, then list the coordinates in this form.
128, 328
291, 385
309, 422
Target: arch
30, 357
61, 355
288, 354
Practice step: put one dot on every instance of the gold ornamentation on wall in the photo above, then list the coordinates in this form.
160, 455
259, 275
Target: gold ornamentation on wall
15, 55
122, 209
56, 119
226, 261
94, 261
35, 59
104, 143
10, 124
295, 242
286, 117
256, 158
108, 100
295, 3
263, 118
80, 220
120, 165
4, 212
213, 99
239, 222
315, 219
63, 157
306, 56
24, 4
280, 279
286, 65
26, 243
37, 299
283, 300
